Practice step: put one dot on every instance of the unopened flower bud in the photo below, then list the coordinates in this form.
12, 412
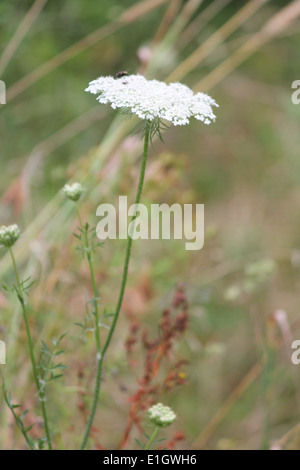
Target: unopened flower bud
9, 235
73, 191
161, 415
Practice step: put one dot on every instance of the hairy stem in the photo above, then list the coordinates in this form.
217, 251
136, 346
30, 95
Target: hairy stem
121, 294
41, 394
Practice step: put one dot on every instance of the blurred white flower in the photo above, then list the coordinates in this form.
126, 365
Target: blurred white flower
150, 99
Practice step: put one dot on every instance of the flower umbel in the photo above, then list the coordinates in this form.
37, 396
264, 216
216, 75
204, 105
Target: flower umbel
153, 99
9, 235
161, 415
73, 191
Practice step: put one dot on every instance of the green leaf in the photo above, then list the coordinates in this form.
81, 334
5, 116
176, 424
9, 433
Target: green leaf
22, 416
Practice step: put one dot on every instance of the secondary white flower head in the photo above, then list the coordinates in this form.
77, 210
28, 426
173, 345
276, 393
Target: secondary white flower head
150, 99
161, 415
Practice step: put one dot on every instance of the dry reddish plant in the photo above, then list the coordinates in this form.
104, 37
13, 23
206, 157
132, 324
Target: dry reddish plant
157, 352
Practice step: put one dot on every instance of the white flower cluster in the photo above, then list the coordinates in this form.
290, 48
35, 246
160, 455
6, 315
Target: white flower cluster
150, 99
73, 191
9, 235
161, 415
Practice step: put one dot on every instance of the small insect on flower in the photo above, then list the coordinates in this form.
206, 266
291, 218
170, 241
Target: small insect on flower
121, 74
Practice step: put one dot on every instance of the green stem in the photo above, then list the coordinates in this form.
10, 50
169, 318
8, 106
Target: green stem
19, 422
121, 295
30, 345
152, 438
94, 287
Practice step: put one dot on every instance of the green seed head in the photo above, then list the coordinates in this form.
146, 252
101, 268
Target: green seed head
161, 415
9, 235
73, 191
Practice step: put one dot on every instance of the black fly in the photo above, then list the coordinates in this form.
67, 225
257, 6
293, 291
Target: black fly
121, 74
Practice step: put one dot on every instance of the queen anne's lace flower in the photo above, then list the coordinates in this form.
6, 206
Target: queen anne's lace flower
161, 415
150, 99
9, 235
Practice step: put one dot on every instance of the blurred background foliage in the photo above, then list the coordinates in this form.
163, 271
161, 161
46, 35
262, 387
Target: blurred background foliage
241, 389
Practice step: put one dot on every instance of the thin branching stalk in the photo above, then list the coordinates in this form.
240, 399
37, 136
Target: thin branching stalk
40, 390
129, 16
20, 33
121, 294
231, 25
18, 418
88, 252
279, 22
208, 431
